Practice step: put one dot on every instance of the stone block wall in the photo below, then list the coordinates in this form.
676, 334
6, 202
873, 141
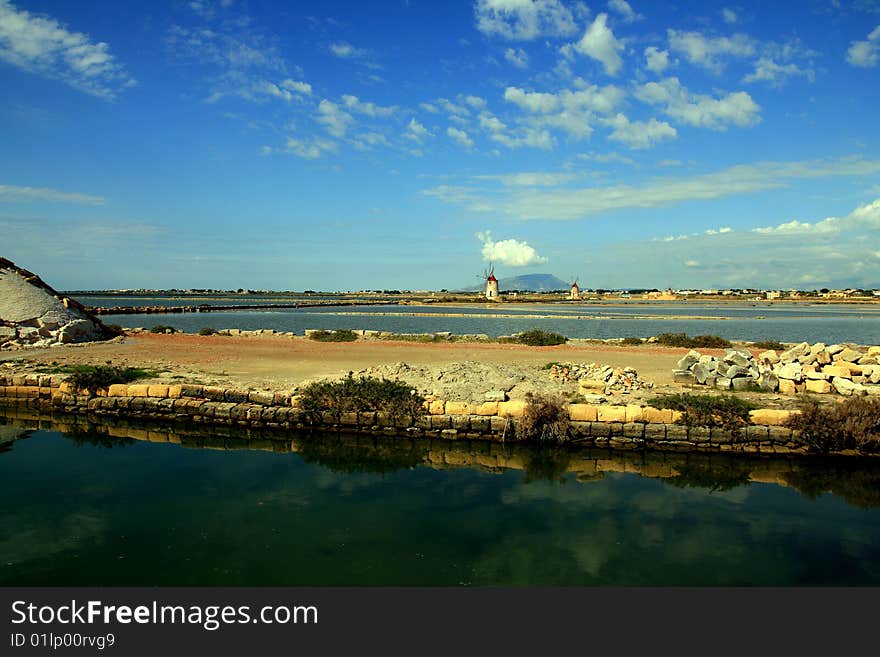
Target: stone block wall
602, 425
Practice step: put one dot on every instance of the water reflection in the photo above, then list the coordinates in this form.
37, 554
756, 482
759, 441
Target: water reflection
856, 480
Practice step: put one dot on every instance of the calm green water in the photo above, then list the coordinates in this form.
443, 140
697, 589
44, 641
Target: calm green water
93, 510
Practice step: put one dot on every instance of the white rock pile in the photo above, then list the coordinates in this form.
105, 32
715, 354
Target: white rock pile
817, 368
32, 314
596, 378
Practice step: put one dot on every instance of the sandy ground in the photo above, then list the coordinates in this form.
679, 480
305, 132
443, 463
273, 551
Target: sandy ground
278, 361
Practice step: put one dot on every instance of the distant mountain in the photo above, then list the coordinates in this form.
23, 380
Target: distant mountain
534, 282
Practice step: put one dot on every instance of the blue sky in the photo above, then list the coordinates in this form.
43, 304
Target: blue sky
337, 145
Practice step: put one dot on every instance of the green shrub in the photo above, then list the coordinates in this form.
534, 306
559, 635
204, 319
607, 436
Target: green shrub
361, 395
769, 344
543, 420
99, 377
207, 331
725, 411
539, 338
852, 424
631, 341
342, 335
161, 328
683, 340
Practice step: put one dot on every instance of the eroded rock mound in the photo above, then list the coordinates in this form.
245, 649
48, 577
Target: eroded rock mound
32, 314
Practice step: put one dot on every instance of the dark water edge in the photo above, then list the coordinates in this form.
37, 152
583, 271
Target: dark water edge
144, 505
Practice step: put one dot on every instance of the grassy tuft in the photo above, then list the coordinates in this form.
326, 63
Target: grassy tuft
683, 340
539, 338
851, 424
725, 411
342, 335
543, 420
361, 395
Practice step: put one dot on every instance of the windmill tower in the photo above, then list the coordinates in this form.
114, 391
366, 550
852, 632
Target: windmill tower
491, 283
575, 292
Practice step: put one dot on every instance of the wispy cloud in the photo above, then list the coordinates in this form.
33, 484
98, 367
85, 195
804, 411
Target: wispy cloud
42, 45
579, 203
524, 20
623, 9
865, 54
710, 52
13, 193
460, 137
517, 56
344, 50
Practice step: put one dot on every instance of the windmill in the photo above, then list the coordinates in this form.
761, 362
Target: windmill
575, 292
488, 277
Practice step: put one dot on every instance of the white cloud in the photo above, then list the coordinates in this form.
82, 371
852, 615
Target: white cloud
729, 16
709, 52
767, 70
14, 193
310, 149
864, 216
356, 105
603, 100
639, 134
567, 110
43, 45
656, 60
865, 54
460, 137
344, 50
524, 20
599, 43
510, 252
416, 131
517, 56
569, 204
335, 119
623, 8
697, 109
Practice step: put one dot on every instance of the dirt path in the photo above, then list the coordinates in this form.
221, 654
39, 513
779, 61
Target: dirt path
278, 361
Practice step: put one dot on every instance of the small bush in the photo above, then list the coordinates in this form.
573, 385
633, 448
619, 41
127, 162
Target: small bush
208, 331
852, 424
543, 420
361, 395
99, 377
343, 335
551, 365
683, 340
539, 338
725, 411
769, 344
631, 341
160, 328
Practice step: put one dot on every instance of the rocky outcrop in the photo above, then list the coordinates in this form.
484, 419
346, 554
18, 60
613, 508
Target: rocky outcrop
32, 314
817, 368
